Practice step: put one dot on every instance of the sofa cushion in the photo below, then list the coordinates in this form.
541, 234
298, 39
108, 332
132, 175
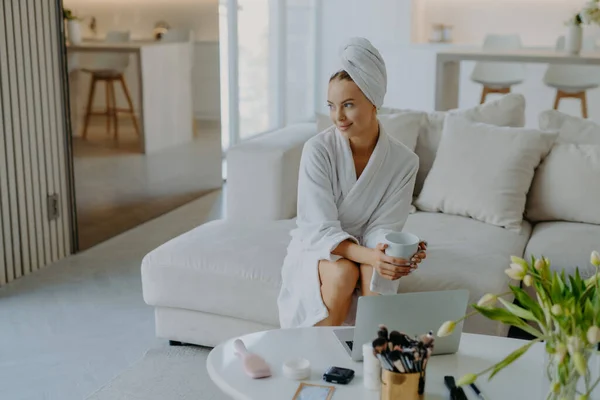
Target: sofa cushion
570, 129
464, 254
484, 171
566, 186
566, 244
403, 126
508, 110
222, 267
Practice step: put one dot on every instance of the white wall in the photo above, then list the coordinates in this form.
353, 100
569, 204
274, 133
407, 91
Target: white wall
140, 17
386, 23
390, 25
538, 22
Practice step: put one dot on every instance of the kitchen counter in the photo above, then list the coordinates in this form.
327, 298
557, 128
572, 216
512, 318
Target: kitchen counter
164, 88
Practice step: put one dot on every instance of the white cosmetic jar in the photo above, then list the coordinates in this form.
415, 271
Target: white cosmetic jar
297, 368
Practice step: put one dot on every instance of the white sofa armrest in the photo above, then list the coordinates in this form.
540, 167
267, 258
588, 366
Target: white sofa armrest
262, 174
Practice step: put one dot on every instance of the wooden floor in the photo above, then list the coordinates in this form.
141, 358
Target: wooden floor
118, 188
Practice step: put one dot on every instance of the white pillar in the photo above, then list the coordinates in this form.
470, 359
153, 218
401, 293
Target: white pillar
232, 54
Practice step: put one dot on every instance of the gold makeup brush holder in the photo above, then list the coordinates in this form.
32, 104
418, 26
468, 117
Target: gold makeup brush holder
397, 386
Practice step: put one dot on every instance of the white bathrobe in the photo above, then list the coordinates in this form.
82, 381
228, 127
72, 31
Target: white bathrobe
334, 206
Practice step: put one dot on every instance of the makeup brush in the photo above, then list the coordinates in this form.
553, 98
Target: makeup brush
427, 339
382, 332
417, 358
427, 357
396, 358
380, 344
400, 339
380, 349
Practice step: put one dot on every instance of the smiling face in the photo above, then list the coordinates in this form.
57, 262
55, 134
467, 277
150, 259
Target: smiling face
349, 109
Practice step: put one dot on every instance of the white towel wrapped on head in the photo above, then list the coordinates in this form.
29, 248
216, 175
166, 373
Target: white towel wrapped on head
361, 60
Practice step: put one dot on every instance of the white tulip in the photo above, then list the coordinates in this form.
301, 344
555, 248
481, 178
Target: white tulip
466, 380
446, 329
518, 267
515, 273
488, 300
593, 335
556, 309
528, 280
546, 260
539, 264
519, 261
595, 258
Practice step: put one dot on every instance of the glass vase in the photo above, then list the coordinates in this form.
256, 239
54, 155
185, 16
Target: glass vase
573, 384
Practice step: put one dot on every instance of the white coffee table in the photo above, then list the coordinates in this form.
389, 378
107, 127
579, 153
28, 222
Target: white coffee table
521, 380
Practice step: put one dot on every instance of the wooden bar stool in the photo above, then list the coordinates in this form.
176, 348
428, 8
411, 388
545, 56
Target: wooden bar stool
573, 81
109, 69
111, 102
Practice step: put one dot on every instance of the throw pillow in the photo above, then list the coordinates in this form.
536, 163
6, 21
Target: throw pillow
566, 186
508, 110
403, 126
483, 171
570, 129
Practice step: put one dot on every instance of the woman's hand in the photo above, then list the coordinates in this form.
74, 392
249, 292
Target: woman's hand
421, 254
393, 268
388, 267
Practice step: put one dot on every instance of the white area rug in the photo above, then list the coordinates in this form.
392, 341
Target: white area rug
173, 373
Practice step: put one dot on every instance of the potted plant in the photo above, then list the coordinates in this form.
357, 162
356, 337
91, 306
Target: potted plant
565, 315
73, 26
591, 12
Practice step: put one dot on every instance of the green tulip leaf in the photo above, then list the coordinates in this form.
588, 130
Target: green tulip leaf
528, 303
518, 311
580, 282
529, 329
504, 316
541, 290
588, 310
587, 293
511, 358
556, 290
498, 314
574, 287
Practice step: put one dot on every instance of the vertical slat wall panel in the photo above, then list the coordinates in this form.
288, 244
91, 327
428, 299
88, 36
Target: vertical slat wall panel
34, 140
51, 162
64, 125
24, 65
29, 155
7, 261
3, 262
42, 106
19, 141
34, 129
11, 148
59, 139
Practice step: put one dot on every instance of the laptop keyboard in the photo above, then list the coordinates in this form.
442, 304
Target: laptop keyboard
350, 343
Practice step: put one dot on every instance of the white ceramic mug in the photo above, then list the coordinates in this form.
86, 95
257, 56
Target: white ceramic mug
402, 244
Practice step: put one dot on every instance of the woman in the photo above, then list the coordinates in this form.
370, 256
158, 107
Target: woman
355, 185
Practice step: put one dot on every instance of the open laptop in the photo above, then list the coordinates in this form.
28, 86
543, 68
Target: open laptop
411, 313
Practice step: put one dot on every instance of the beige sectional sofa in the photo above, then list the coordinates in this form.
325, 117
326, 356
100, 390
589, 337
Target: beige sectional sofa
221, 279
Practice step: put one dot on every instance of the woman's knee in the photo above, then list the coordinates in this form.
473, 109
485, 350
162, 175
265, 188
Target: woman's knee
341, 275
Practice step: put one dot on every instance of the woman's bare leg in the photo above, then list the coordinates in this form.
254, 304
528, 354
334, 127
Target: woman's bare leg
338, 281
